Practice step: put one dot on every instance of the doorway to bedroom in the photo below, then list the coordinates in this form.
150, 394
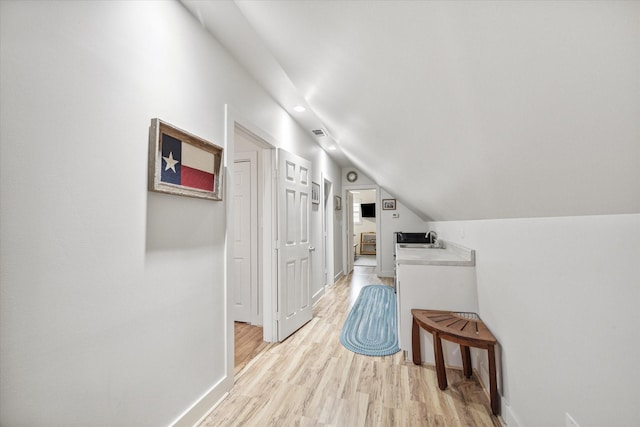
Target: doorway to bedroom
364, 227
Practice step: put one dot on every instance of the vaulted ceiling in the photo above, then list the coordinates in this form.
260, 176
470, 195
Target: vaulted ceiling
461, 110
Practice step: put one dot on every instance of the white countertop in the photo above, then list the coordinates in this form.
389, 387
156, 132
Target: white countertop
451, 254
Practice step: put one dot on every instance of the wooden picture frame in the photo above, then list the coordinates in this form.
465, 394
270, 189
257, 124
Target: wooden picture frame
183, 164
315, 193
338, 203
389, 204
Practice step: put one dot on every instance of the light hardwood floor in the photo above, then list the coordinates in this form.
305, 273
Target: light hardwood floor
310, 379
248, 344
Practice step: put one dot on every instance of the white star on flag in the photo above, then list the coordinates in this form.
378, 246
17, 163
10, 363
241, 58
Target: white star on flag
171, 162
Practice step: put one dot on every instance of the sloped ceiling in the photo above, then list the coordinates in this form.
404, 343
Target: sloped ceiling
462, 110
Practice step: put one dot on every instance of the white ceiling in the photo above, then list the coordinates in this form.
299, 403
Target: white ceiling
461, 110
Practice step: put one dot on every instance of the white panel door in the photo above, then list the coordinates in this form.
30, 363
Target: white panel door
294, 248
244, 259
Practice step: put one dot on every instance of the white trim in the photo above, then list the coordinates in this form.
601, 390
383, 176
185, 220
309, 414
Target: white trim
347, 231
349, 252
386, 273
269, 248
229, 343
200, 410
508, 417
329, 238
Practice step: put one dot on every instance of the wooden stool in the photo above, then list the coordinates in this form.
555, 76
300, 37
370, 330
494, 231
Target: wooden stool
465, 329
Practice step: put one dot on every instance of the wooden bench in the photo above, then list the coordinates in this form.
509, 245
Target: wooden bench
465, 329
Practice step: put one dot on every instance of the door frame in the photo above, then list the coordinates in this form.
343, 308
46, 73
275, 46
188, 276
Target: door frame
267, 227
348, 224
328, 238
348, 232
327, 191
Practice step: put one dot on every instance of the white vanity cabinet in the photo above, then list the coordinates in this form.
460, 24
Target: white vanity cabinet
434, 279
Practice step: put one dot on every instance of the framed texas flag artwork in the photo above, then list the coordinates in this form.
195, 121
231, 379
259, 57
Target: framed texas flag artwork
182, 163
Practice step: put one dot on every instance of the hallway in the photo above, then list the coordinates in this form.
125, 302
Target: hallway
365, 261
311, 380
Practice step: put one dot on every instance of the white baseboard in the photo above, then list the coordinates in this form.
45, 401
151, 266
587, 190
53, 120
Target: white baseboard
386, 274
508, 417
338, 276
317, 295
201, 409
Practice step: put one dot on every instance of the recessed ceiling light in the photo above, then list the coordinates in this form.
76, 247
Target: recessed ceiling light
299, 108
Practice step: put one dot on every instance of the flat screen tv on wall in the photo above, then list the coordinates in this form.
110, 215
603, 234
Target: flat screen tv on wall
368, 210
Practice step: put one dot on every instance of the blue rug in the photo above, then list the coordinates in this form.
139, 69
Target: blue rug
372, 325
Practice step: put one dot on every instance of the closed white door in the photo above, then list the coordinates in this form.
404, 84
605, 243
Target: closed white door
294, 247
244, 256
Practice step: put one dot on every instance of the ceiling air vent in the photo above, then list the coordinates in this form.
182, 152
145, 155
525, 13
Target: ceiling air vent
319, 132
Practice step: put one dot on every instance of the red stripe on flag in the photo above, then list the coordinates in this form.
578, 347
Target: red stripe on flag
194, 178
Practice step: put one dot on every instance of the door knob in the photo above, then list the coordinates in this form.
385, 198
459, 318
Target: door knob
312, 249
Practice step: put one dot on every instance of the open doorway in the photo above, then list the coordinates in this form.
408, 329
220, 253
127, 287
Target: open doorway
269, 296
248, 278
364, 227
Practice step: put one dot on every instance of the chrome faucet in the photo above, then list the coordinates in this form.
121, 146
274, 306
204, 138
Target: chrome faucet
432, 237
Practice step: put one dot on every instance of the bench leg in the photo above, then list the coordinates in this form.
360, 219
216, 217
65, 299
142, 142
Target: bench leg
493, 382
415, 343
440, 370
466, 360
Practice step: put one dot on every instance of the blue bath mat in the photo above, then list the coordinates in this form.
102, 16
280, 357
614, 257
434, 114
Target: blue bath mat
372, 325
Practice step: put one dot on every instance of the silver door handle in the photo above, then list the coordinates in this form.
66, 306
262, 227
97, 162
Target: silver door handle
312, 249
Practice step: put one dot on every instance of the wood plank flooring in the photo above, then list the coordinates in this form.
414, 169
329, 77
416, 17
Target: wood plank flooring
248, 344
310, 379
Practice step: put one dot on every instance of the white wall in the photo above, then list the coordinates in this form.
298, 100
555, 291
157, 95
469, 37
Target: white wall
406, 221
561, 295
113, 298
